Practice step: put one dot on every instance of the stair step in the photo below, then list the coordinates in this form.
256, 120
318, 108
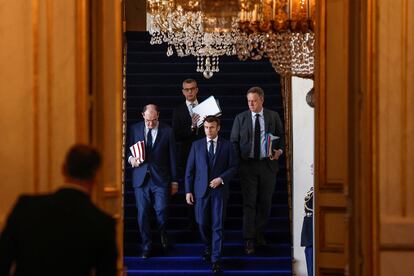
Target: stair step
196, 249
235, 197
182, 263
229, 78
233, 210
277, 272
234, 183
186, 236
231, 223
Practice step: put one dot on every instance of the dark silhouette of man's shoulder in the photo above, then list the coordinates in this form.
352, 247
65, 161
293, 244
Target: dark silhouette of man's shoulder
64, 204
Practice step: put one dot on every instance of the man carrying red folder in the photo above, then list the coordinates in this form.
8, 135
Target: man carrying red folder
154, 172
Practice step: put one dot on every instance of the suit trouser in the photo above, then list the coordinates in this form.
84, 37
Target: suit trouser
258, 182
210, 215
309, 259
146, 196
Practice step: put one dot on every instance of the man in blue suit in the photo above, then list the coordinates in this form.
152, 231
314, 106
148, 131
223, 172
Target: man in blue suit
211, 165
152, 177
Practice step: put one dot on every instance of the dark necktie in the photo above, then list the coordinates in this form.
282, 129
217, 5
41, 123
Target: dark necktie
256, 149
149, 140
210, 155
211, 149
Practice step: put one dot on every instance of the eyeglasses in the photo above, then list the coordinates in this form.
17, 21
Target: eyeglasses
189, 89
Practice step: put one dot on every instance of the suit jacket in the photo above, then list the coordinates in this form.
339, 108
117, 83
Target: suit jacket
242, 133
58, 234
161, 162
197, 171
184, 136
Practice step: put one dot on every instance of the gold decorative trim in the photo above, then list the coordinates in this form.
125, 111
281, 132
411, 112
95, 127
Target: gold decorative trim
286, 83
320, 118
49, 87
35, 94
404, 122
373, 102
124, 115
82, 71
110, 192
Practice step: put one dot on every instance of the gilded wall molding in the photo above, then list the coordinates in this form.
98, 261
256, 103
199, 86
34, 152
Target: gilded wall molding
82, 71
49, 87
35, 94
286, 83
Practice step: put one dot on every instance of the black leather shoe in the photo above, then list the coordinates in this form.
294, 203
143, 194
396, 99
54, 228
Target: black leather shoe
260, 240
207, 255
216, 268
145, 255
249, 247
164, 240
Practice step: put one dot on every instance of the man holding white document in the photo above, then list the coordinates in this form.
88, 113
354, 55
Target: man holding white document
186, 131
187, 121
152, 147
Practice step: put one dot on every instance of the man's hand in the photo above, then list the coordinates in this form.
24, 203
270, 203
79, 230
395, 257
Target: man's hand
215, 182
189, 198
276, 154
194, 120
174, 188
135, 162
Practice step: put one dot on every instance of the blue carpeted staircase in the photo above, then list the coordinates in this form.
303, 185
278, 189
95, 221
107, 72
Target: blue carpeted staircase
152, 77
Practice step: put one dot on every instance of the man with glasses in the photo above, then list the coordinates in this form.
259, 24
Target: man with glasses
152, 177
186, 132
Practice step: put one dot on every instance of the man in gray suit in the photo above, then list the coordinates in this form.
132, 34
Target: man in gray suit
258, 168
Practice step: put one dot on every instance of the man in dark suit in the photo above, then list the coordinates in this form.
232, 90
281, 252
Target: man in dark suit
258, 168
152, 177
211, 165
62, 233
186, 131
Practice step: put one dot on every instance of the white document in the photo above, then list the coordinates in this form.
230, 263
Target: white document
208, 107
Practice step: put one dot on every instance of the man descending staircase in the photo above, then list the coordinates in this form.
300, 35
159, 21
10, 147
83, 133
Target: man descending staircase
152, 77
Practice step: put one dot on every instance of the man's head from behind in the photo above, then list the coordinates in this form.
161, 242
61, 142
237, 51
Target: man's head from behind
81, 164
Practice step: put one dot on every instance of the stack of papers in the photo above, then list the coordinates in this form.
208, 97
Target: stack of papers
207, 108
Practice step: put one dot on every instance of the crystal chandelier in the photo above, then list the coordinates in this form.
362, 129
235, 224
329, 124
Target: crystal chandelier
204, 29
281, 30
